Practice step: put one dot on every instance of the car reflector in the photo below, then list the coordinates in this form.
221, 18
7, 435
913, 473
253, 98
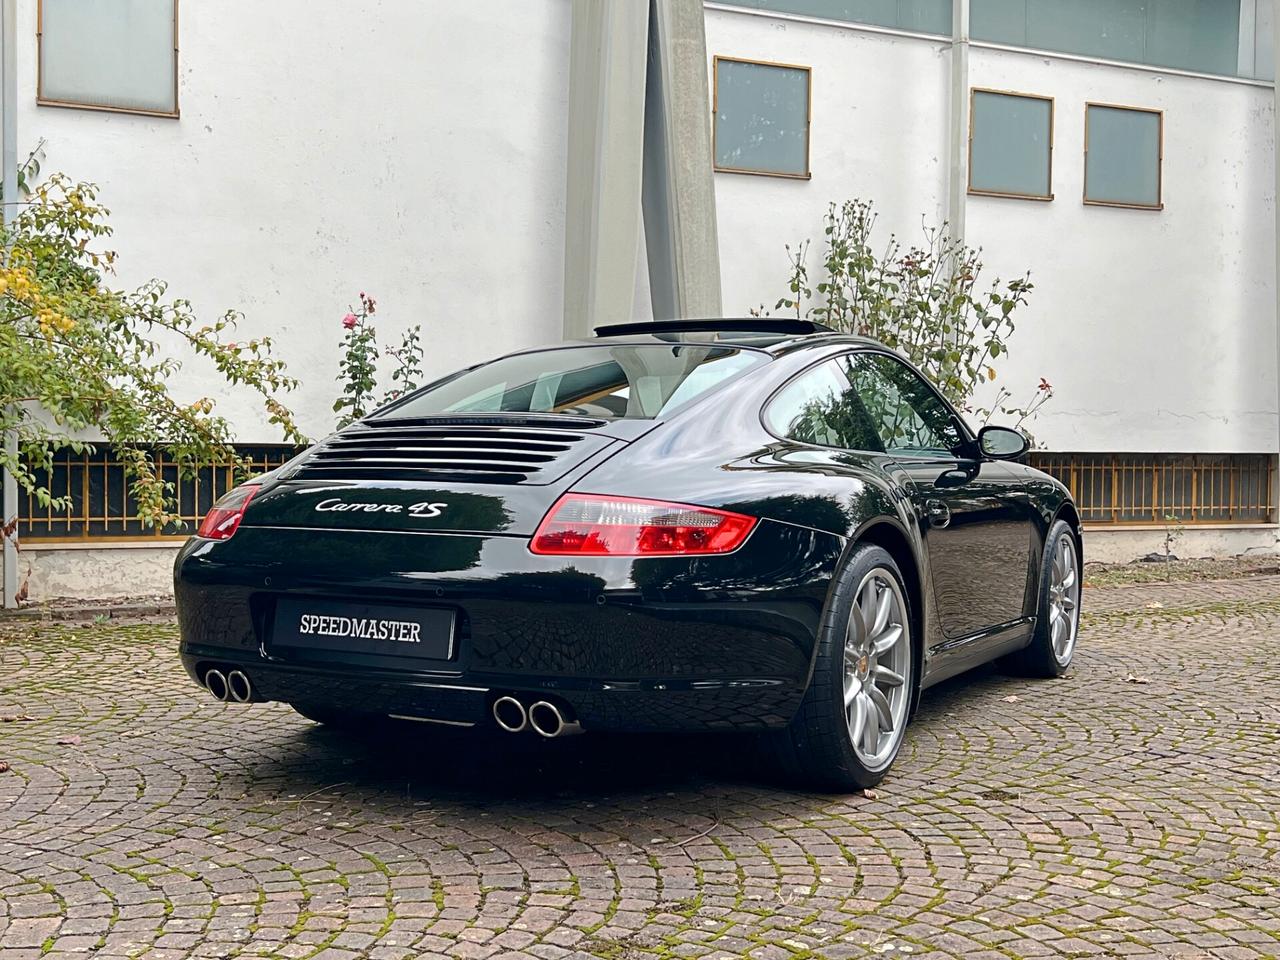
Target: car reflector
583, 524
223, 519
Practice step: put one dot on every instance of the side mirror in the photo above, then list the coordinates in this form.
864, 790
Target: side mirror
1002, 443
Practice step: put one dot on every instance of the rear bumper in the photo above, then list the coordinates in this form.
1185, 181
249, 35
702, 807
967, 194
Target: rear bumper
719, 643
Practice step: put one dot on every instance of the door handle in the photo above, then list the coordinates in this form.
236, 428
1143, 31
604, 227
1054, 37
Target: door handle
955, 477
939, 513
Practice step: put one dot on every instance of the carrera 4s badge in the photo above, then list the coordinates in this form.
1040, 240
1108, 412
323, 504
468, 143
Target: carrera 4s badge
423, 510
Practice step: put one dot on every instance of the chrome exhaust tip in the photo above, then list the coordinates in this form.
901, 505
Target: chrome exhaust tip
238, 686
510, 714
548, 721
216, 683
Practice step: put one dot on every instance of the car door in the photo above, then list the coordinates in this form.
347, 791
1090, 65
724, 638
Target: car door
975, 514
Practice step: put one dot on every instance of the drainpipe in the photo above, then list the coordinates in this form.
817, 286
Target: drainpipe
958, 176
9, 162
1275, 277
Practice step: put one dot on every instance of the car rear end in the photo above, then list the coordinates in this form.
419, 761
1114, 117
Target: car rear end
459, 567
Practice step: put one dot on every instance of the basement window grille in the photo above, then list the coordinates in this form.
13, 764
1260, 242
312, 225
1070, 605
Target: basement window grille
1163, 488
1109, 490
101, 508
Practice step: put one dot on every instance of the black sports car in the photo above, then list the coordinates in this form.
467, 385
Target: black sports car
752, 525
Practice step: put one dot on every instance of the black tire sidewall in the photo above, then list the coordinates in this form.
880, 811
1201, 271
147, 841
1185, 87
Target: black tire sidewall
1041, 650
821, 731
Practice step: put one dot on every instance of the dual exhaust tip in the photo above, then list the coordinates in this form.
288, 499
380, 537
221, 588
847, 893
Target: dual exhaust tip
543, 717
230, 687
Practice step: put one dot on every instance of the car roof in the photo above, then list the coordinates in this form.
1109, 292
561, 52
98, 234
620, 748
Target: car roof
773, 335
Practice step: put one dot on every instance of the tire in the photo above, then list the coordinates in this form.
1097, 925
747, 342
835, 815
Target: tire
1050, 653
337, 718
817, 750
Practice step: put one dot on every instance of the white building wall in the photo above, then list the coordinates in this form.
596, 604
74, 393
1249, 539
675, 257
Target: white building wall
878, 132
1156, 328
328, 148
334, 148
419, 154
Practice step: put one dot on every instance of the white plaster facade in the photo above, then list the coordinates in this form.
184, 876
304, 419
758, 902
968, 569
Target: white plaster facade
328, 148
418, 152
1156, 328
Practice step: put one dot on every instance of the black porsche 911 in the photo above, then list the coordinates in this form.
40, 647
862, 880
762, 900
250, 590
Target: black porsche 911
728, 525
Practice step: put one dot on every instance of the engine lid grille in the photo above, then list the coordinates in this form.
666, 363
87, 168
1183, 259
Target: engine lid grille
483, 453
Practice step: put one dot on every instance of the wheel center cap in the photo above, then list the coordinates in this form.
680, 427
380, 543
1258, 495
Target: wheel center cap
864, 665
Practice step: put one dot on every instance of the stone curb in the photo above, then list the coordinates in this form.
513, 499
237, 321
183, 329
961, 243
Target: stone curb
111, 611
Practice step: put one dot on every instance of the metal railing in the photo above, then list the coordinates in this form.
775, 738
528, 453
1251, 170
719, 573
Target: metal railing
1162, 488
1109, 489
101, 509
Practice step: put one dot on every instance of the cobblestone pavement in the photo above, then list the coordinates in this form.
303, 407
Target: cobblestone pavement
1132, 809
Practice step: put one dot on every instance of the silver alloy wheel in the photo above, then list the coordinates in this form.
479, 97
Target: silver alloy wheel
1064, 599
877, 669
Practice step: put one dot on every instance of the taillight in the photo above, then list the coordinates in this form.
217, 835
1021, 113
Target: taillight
223, 519
627, 527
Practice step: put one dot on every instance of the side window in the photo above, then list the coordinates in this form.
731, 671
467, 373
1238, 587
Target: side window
818, 407
907, 415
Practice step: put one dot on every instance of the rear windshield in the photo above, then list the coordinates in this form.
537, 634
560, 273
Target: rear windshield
624, 381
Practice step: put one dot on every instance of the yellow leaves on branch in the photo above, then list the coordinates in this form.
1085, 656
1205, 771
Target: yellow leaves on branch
50, 321
17, 282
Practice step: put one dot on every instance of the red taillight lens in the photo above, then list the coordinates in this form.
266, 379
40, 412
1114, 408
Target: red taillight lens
582, 524
223, 519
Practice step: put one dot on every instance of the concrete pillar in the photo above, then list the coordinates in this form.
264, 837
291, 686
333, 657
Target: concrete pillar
679, 189
958, 173
606, 136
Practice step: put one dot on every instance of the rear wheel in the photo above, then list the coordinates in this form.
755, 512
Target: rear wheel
336, 717
853, 719
1058, 611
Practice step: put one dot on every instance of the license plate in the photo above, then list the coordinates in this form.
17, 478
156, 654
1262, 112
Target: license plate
423, 633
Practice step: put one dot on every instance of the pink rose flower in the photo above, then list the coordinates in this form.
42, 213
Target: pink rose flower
350, 321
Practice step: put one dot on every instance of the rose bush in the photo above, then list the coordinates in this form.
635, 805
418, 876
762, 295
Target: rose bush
358, 368
927, 301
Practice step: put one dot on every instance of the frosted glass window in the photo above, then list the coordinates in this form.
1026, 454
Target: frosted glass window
1199, 35
1122, 156
1011, 145
761, 118
920, 16
999, 21
1108, 29
115, 54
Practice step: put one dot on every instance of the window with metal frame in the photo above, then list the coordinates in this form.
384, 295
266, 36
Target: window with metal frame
761, 118
916, 16
1159, 489
1010, 145
116, 55
1201, 36
1123, 157
101, 509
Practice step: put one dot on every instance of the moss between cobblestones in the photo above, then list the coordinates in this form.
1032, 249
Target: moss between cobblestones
1222, 609
1002, 812
1178, 571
